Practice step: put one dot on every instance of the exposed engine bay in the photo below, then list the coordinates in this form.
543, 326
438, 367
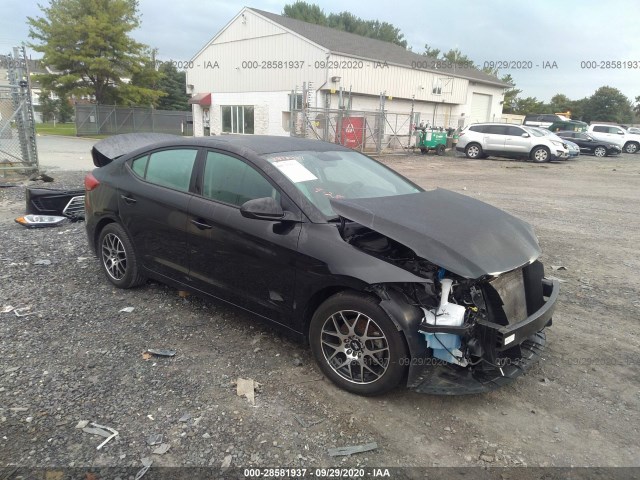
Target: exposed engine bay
462, 317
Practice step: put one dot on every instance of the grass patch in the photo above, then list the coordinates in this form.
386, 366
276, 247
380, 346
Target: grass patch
59, 129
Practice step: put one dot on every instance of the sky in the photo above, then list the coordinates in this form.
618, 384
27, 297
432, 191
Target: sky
569, 37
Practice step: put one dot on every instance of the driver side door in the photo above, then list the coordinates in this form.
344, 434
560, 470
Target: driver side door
247, 262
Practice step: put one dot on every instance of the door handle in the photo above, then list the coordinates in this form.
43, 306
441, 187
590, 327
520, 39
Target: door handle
201, 224
128, 200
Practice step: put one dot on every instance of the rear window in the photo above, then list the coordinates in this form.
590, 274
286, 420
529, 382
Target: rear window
169, 168
601, 129
478, 128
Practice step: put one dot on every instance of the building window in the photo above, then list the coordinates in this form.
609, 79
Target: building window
437, 87
237, 119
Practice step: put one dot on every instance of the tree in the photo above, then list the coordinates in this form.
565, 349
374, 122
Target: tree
456, 56
525, 106
510, 96
173, 84
59, 110
48, 107
636, 109
87, 44
608, 104
345, 21
65, 110
307, 12
561, 103
431, 52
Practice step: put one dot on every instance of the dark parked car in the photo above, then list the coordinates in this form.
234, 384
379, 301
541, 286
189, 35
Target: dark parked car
589, 144
387, 282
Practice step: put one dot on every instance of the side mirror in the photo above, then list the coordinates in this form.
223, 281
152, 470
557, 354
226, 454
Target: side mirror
525, 135
620, 132
262, 209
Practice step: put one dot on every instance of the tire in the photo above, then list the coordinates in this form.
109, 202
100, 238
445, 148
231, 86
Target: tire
356, 364
540, 155
118, 258
440, 150
631, 147
473, 150
600, 151
424, 151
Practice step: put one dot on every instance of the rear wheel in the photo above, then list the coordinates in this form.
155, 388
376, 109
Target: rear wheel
473, 151
440, 150
424, 151
540, 154
357, 345
631, 147
600, 152
118, 257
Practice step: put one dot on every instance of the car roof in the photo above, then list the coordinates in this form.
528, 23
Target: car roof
261, 144
110, 148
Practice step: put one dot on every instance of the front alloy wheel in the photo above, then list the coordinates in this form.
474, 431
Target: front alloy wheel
356, 345
631, 147
541, 155
600, 152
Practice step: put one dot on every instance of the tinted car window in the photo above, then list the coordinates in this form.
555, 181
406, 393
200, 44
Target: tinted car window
550, 118
478, 128
496, 129
230, 180
139, 165
515, 131
598, 128
171, 168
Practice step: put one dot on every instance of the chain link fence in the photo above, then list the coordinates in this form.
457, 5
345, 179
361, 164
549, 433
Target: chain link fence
372, 132
18, 151
112, 120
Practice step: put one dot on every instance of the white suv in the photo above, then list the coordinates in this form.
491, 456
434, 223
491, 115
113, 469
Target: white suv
630, 142
481, 140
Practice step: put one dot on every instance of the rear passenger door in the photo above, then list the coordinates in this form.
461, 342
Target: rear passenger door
153, 203
247, 262
494, 138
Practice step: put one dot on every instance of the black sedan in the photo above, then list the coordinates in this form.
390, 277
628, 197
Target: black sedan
387, 282
589, 144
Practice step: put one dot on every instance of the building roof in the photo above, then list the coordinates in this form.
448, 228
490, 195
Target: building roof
341, 42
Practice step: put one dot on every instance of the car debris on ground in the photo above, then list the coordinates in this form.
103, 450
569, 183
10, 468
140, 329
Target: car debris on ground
107, 432
350, 450
246, 388
161, 352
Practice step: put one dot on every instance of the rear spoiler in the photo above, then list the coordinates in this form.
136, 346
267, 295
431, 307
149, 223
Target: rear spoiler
107, 150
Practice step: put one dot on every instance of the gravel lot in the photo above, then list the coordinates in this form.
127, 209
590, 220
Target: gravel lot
80, 358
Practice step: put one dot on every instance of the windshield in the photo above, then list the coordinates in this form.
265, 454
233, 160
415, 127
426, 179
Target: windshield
536, 133
321, 176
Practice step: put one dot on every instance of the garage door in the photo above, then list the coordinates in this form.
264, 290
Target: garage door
480, 107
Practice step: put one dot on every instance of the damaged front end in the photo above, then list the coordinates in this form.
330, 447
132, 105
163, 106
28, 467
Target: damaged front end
465, 335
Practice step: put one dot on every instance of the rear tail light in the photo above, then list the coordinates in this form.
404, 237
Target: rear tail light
90, 182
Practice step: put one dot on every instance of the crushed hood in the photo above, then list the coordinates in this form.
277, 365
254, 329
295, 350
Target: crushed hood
465, 236
105, 151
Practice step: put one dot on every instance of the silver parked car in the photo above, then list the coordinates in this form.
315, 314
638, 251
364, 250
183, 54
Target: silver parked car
481, 140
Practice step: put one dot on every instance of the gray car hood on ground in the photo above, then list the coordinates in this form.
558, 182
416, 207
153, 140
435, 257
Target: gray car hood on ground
465, 236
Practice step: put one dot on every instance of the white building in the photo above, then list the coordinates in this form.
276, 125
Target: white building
242, 80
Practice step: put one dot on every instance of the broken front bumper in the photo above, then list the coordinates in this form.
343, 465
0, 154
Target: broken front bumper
430, 375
